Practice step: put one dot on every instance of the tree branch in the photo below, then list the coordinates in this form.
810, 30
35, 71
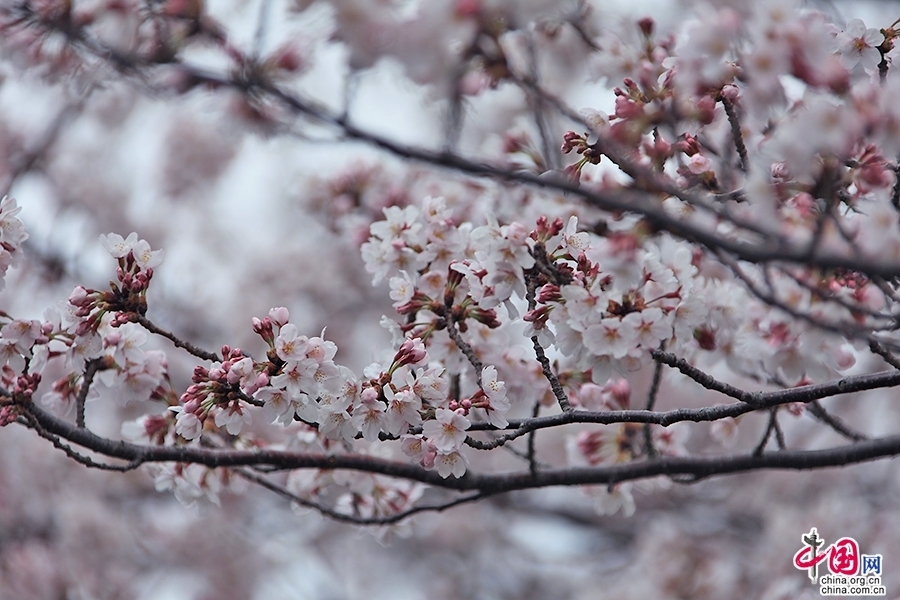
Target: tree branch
697, 467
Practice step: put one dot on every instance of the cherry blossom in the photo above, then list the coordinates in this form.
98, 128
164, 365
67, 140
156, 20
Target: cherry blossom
451, 463
117, 246
369, 417
335, 422
402, 409
233, 417
289, 344
859, 45
187, 424
447, 431
145, 257
730, 229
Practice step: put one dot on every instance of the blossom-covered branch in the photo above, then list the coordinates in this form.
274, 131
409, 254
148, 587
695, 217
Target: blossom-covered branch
717, 223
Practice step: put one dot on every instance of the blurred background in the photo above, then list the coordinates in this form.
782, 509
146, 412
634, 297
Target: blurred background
256, 208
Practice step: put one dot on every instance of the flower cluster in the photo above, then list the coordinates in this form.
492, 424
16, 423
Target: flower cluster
92, 328
746, 191
300, 384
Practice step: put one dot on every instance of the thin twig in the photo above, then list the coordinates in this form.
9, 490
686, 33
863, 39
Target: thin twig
651, 402
551, 158
187, 346
356, 520
30, 159
88, 378
895, 191
558, 391
816, 409
845, 329
827, 296
885, 354
87, 461
705, 379
779, 434
770, 427
736, 134
466, 349
532, 462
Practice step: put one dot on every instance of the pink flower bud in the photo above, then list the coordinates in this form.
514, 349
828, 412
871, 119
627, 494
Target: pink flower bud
200, 374
368, 395
706, 110
192, 405
430, 456
549, 293
280, 315
79, 297
699, 164
412, 352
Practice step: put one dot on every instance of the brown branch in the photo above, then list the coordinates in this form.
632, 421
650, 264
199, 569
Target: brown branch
187, 346
816, 409
356, 520
651, 402
557, 388
88, 378
466, 349
30, 422
827, 296
695, 467
532, 461
736, 134
763, 400
752, 244
779, 433
885, 354
705, 379
770, 428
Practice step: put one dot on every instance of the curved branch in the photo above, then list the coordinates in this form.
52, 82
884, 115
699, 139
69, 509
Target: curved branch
466, 349
187, 346
557, 388
736, 134
696, 467
356, 520
703, 378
